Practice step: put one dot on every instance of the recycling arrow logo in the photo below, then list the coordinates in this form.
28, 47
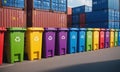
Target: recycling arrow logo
50, 38
73, 37
82, 36
36, 38
17, 39
63, 37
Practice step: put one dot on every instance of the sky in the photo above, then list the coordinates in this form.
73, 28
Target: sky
74, 3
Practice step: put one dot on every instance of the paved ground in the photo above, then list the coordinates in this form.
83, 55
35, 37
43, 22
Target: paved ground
105, 60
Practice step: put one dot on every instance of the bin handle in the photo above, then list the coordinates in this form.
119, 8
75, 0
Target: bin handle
64, 50
90, 46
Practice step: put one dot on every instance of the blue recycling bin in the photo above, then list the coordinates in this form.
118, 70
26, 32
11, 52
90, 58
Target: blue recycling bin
81, 40
72, 40
119, 38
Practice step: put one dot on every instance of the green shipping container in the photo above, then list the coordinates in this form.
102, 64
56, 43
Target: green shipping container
14, 44
89, 39
116, 37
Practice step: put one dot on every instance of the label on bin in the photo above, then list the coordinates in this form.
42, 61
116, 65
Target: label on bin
73, 37
17, 39
107, 35
36, 38
50, 38
63, 37
102, 36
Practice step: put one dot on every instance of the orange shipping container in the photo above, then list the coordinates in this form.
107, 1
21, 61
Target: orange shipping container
48, 19
69, 20
12, 17
69, 11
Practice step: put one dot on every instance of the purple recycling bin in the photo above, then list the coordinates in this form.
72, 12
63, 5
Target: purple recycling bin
49, 42
61, 46
107, 38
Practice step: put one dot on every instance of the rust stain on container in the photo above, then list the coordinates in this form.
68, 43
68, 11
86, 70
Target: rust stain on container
48, 19
13, 17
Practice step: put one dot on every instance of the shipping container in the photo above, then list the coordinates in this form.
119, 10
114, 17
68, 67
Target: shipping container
40, 18
101, 16
69, 11
13, 3
105, 4
69, 20
12, 17
81, 9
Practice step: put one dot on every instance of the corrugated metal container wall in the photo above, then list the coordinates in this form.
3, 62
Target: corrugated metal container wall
69, 11
48, 19
69, 20
13, 17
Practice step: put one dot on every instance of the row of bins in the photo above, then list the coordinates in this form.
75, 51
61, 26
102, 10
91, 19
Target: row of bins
39, 42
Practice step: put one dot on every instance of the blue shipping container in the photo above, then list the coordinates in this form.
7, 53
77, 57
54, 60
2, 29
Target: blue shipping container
105, 4
13, 3
81, 9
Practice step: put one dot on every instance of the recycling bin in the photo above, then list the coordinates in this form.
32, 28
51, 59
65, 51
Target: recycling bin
102, 39
112, 38
119, 37
96, 34
107, 38
49, 42
33, 49
14, 44
116, 37
72, 40
82, 38
2, 30
89, 38
61, 40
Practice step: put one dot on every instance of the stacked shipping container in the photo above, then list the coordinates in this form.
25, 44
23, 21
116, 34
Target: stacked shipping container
105, 14
78, 15
12, 13
69, 17
47, 13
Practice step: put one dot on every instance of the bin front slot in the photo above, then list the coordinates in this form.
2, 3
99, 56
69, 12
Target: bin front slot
90, 47
16, 57
74, 49
36, 55
50, 53
102, 44
63, 51
82, 47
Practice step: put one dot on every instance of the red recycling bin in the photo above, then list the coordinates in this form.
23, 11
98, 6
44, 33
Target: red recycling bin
2, 30
102, 38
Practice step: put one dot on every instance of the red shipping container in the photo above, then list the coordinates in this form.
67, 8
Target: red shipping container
82, 25
102, 38
1, 43
82, 18
69, 20
48, 19
12, 17
69, 11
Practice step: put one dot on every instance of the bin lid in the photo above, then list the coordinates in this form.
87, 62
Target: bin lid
16, 29
116, 29
96, 29
102, 29
107, 29
63, 29
75, 29
51, 29
112, 29
83, 29
89, 28
2, 29
35, 29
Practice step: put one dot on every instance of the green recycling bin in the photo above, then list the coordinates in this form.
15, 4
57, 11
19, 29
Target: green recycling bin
14, 44
89, 39
116, 37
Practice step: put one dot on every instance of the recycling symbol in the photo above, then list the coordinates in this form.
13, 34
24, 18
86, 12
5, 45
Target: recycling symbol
63, 37
102, 35
82, 36
73, 37
50, 38
107, 35
36, 38
17, 39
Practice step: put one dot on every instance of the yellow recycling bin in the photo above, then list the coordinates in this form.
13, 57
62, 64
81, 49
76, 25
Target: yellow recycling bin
33, 49
112, 32
96, 38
